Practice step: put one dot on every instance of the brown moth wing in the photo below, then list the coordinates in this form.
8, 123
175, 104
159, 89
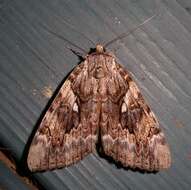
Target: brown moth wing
130, 133
62, 137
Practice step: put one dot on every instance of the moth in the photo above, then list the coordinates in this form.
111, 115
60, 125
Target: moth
99, 100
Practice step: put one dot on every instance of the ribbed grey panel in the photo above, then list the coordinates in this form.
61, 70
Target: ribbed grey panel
158, 56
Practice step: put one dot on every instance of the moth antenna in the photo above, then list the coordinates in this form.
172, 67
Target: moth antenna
123, 35
78, 54
74, 28
66, 40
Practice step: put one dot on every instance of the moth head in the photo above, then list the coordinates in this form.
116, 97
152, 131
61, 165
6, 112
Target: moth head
100, 48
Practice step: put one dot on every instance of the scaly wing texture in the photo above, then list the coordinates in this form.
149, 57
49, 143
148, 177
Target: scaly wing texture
62, 139
131, 133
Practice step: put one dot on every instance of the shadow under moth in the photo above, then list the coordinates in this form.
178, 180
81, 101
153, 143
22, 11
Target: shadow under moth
99, 100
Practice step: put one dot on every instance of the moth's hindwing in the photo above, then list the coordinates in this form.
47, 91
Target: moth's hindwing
99, 95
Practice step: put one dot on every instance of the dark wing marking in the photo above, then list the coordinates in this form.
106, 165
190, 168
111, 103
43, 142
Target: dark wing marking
131, 133
61, 139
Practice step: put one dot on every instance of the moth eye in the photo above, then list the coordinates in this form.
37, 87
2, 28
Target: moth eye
75, 107
123, 107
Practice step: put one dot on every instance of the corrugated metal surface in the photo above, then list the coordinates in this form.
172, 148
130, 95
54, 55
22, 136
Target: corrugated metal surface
158, 55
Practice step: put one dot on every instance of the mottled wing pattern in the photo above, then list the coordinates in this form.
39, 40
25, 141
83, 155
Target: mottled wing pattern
62, 139
131, 133
99, 96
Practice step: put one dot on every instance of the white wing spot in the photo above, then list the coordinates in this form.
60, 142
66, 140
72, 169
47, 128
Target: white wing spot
124, 107
75, 107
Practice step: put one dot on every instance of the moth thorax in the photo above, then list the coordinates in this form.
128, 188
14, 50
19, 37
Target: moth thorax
99, 48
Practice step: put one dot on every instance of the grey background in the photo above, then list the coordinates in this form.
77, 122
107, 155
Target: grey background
158, 56
8, 180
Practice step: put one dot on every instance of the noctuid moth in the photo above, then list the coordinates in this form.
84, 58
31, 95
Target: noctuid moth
99, 100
